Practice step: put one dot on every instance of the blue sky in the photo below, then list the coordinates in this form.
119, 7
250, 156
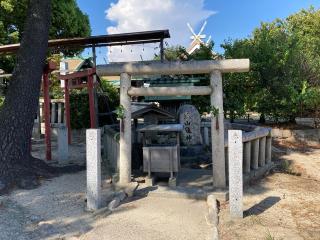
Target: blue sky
233, 18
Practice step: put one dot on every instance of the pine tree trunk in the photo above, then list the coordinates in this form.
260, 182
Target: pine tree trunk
17, 167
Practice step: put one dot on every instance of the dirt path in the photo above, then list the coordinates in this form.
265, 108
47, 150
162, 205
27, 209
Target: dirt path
52, 211
55, 210
281, 206
154, 218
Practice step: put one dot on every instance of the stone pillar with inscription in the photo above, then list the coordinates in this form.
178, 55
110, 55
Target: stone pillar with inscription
189, 117
192, 149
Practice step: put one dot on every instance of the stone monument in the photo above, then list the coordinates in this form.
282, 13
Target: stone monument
189, 117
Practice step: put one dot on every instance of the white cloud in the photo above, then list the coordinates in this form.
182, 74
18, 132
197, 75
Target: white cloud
145, 15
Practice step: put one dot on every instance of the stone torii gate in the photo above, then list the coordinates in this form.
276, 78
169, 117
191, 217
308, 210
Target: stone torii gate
214, 68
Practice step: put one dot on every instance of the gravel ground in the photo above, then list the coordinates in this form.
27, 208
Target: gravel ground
55, 210
154, 218
280, 206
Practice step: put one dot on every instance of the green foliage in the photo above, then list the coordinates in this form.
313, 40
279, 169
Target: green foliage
214, 111
79, 109
304, 29
67, 21
205, 52
284, 54
112, 93
56, 92
238, 87
79, 105
120, 111
284, 79
311, 98
1, 101
173, 53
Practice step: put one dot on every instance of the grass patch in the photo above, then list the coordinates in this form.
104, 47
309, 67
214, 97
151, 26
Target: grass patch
285, 166
269, 236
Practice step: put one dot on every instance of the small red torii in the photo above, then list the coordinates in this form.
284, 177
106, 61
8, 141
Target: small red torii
71, 81
75, 81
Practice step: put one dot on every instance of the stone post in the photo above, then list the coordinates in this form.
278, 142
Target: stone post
93, 145
247, 156
60, 113
255, 153
206, 135
217, 131
63, 145
268, 149
262, 151
53, 112
125, 131
235, 173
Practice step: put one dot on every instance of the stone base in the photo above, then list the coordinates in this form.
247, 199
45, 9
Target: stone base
172, 182
222, 195
115, 178
149, 181
257, 173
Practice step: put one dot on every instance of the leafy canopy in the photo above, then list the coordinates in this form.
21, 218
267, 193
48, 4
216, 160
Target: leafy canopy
67, 21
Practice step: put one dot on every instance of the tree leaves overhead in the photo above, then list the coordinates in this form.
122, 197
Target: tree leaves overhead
67, 21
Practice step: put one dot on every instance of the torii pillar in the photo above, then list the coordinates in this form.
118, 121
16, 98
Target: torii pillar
51, 66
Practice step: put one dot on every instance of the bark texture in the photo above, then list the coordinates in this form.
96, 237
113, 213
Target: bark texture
17, 167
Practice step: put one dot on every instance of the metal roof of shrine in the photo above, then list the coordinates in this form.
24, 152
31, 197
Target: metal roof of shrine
162, 128
139, 109
99, 41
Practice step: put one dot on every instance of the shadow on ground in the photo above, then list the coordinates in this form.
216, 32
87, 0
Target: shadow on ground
261, 206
